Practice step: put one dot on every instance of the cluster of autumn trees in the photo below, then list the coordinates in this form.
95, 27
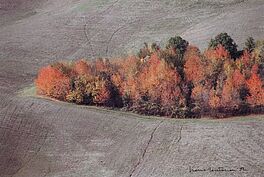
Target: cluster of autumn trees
176, 81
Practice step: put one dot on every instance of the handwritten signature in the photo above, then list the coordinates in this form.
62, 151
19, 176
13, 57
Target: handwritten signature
218, 169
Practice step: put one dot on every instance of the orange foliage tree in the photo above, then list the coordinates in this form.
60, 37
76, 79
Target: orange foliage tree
82, 67
218, 53
160, 82
194, 67
215, 100
256, 90
230, 96
53, 83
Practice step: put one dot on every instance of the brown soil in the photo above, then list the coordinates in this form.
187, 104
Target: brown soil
39, 137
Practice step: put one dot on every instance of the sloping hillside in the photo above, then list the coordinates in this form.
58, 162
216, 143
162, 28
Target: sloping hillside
44, 138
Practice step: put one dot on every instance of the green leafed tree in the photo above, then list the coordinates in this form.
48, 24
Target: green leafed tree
250, 44
178, 44
226, 41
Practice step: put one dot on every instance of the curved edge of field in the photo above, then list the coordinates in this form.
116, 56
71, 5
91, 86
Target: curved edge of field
30, 91
52, 138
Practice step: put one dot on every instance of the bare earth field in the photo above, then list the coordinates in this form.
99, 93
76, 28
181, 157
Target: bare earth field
42, 138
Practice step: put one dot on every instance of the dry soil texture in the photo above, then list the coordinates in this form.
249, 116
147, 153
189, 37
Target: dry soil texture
41, 138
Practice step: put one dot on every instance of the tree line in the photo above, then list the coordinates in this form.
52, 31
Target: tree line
177, 81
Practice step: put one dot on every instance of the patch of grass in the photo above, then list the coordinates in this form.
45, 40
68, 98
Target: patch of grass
29, 91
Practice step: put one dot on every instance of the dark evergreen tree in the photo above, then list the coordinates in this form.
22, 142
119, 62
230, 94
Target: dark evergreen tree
178, 44
250, 44
227, 42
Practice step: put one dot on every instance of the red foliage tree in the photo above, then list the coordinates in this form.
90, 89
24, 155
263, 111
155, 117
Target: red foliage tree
256, 90
81, 67
194, 67
102, 65
238, 79
160, 82
255, 69
128, 71
246, 58
53, 83
218, 53
230, 95
168, 86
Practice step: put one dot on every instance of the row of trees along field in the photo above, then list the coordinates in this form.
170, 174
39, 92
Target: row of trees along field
176, 81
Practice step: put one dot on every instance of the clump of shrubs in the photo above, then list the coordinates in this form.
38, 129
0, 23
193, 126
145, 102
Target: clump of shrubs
178, 81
